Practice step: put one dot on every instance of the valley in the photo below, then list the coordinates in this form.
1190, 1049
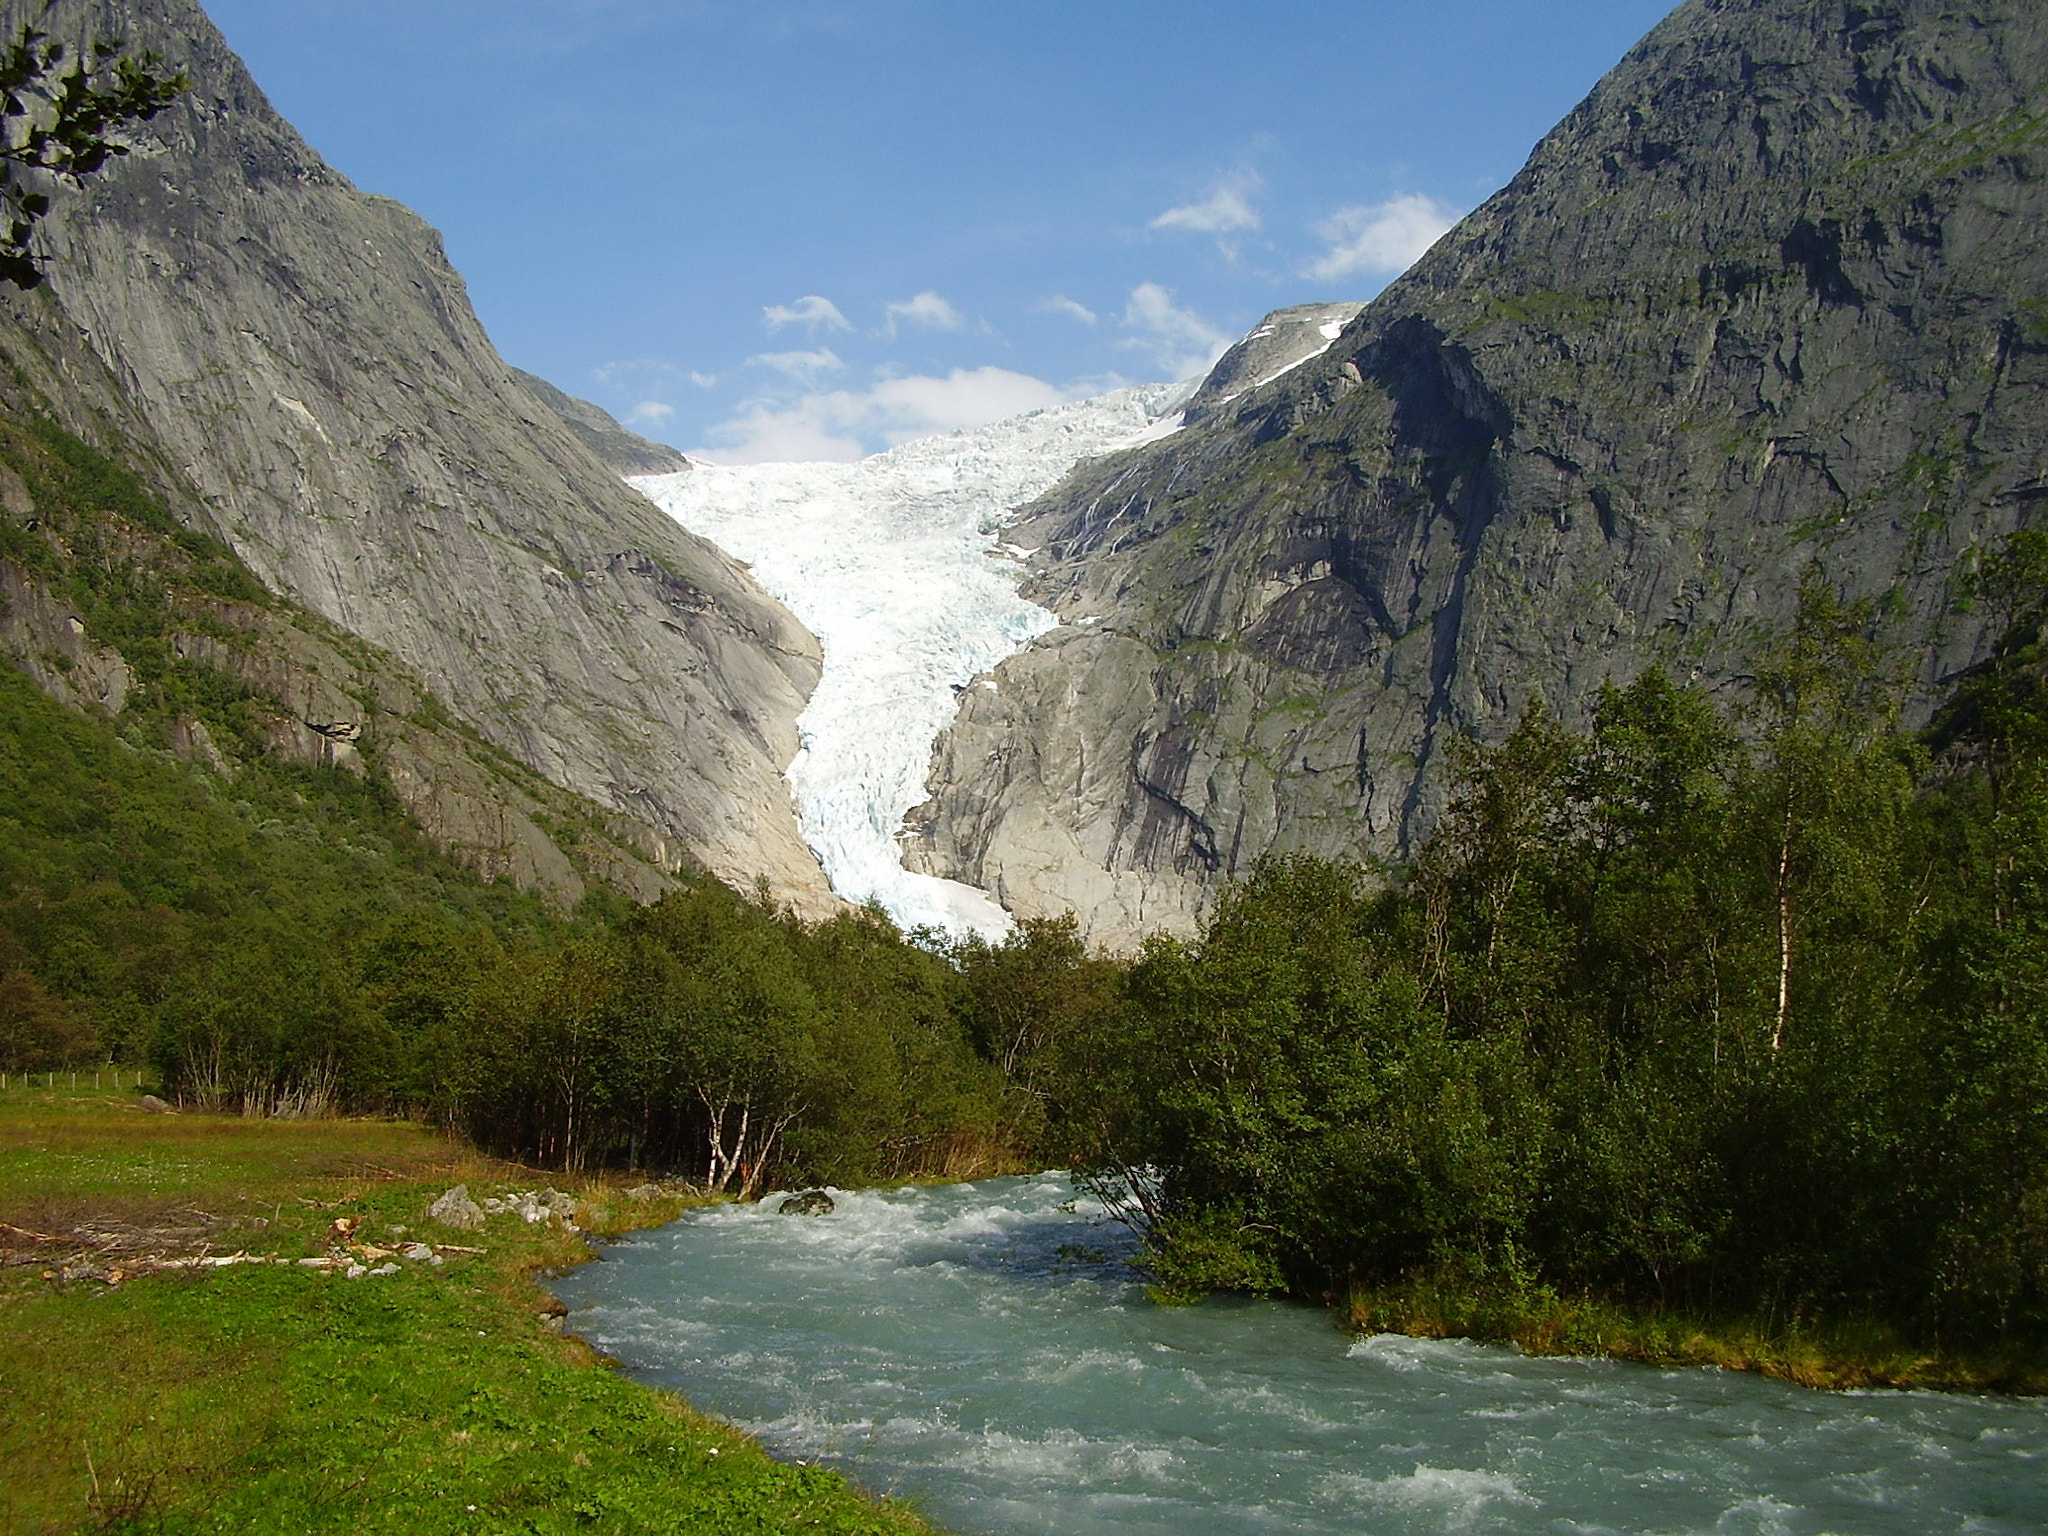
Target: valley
1493, 838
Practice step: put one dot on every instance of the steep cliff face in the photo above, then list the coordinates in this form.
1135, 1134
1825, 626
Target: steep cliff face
114, 609
301, 365
1773, 295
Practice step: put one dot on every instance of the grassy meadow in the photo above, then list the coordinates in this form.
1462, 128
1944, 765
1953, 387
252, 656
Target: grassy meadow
276, 1397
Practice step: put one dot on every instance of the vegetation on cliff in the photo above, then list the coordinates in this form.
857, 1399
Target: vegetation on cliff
63, 123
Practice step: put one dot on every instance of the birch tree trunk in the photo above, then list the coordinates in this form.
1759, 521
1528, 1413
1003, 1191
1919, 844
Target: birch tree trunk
1784, 928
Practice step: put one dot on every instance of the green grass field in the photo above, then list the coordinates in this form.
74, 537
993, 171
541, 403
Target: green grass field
277, 1398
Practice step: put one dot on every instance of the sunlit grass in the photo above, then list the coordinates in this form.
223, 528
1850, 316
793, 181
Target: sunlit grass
1539, 1321
278, 1398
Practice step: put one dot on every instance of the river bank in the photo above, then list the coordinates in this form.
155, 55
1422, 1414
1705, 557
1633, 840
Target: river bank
187, 1349
162, 1387
1822, 1355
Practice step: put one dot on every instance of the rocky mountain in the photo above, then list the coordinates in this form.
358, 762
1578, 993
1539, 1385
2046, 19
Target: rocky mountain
1277, 345
295, 367
1773, 296
626, 453
113, 609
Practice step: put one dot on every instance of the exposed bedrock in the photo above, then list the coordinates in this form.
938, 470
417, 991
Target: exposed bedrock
301, 356
1773, 294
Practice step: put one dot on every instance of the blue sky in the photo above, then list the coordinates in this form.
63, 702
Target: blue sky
811, 228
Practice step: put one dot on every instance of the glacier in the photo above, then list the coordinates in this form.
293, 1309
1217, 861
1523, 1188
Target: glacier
895, 562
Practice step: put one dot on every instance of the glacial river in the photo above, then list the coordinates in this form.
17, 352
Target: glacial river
983, 1349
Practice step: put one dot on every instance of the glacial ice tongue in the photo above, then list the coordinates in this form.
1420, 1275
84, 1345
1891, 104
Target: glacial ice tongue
895, 564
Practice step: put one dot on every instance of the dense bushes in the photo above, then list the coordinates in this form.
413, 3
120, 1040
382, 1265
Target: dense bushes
1728, 1015
282, 942
715, 1036
154, 908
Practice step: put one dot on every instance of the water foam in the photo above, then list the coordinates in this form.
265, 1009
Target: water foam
895, 564
941, 1342
1458, 1497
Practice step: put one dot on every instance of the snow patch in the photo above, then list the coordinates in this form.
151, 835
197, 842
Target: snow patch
1305, 358
1163, 428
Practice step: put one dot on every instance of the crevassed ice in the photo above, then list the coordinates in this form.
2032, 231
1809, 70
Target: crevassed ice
894, 563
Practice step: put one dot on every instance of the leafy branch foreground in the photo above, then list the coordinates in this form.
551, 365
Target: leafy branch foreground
265, 1397
62, 113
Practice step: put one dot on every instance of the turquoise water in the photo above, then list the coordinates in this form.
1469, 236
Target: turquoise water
983, 1349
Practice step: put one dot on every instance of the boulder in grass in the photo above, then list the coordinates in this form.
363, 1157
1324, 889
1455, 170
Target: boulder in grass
456, 1209
809, 1202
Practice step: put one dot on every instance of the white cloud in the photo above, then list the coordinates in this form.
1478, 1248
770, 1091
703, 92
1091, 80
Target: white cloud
703, 380
843, 424
1060, 304
620, 372
805, 367
767, 434
927, 310
813, 312
1380, 237
1177, 340
1226, 208
920, 405
649, 413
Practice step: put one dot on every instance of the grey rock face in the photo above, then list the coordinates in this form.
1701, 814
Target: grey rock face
1773, 295
47, 639
625, 452
325, 699
302, 355
809, 1202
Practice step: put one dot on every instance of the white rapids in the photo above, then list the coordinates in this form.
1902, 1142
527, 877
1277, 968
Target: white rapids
984, 1349
895, 563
